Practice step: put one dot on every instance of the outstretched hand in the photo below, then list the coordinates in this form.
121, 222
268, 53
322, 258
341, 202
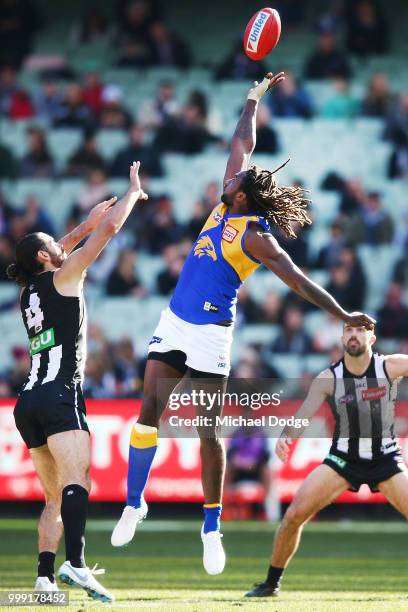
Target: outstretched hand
98, 212
270, 80
135, 180
360, 319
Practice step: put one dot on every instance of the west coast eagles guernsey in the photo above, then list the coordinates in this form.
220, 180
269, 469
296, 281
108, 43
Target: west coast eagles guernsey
215, 268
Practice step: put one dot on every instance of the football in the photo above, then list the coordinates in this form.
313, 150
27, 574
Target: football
262, 33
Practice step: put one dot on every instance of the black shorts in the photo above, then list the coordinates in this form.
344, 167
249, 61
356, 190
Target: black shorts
366, 471
48, 409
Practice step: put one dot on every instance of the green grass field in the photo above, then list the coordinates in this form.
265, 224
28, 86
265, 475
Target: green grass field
340, 566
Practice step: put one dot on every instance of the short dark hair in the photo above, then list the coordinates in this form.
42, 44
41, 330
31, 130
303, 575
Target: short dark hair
26, 264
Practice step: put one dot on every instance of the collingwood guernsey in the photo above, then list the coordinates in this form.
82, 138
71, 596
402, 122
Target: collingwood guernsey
56, 328
363, 408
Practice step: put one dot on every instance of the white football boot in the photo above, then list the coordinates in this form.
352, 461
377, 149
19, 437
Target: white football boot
83, 577
126, 526
43, 583
213, 552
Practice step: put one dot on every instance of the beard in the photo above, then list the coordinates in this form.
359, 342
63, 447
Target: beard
225, 199
356, 350
58, 260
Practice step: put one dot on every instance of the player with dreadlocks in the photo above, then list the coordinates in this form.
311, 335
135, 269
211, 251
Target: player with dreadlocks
194, 335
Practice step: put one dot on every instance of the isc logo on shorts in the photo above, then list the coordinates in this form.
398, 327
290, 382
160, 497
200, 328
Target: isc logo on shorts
210, 307
229, 233
155, 340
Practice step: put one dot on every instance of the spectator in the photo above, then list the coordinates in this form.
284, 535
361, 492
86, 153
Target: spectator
342, 289
353, 195
99, 379
6, 256
134, 55
113, 115
290, 99
86, 158
8, 167
343, 105
367, 30
328, 334
21, 107
161, 229
371, 224
36, 218
272, 308
168, 49
187, 134
122, 280
396, 127
378, 101
398, 161
160, 109
8, 87
6, 212
248, 310
328, 254
95, 190
168, 277
400, 274
327, 62
348, 257
37, 163
266, 137
297, 249
252, 366
92, 92
126, 368
238, 67
49, 102
137, 150
135, 20
92, 28
393, 314
247, 461
74, 113
17, 228
292, 337
19, 369
19, 21
202, 209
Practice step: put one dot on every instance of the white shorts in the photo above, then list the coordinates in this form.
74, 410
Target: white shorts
207, 347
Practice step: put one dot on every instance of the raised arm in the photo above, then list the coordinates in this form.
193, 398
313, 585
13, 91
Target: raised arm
73, 268
98, 212
244, 138
320, 389
396, 365
266, 249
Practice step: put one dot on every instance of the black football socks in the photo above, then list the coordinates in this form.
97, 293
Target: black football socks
46, 565
74, 508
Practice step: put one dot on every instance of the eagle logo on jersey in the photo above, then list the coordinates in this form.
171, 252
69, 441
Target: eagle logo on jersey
205, 246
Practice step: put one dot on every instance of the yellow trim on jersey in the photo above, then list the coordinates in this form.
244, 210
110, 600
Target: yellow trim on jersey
211, 222
143, 440
231, 246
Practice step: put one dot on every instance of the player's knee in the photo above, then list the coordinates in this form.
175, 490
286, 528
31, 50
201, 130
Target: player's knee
149, 414
295, 516
212, 444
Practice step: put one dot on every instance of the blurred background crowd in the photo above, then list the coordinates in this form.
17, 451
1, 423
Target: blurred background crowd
81, 98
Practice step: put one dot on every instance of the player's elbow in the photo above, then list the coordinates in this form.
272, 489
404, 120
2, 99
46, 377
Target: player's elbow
110, 227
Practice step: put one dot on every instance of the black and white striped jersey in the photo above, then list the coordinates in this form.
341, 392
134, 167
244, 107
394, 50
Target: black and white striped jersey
56, 328
363, 408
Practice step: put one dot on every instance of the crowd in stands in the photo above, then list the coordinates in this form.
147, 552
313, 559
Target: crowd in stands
162, 124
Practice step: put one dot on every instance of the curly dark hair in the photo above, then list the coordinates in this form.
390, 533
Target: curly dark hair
281, 205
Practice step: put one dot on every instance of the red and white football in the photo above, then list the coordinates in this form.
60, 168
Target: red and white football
262, 33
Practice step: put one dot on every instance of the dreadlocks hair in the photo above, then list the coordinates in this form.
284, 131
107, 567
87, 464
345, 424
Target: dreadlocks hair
281, 205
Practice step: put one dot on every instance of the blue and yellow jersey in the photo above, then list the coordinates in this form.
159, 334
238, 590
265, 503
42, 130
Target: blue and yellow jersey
215, 268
